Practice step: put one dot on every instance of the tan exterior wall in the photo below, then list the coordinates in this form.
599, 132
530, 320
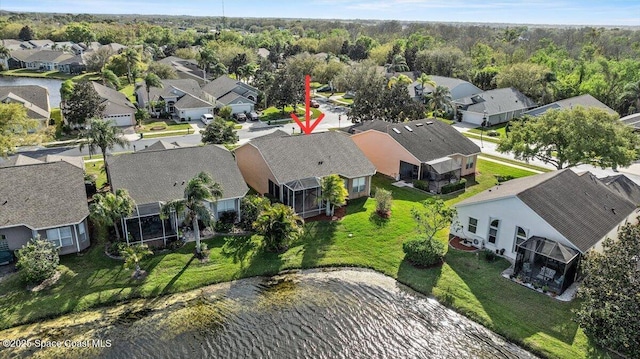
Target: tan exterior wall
254, 169
463, 160
383, 151
365, 193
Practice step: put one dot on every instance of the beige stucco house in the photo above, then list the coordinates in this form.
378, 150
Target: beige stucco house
427, 150
290, 168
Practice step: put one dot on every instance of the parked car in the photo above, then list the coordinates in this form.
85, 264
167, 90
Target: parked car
207, 118
315, 104
240, 117
253, 116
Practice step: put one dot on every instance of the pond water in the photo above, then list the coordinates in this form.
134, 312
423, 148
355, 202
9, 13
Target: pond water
346, 313
53, 85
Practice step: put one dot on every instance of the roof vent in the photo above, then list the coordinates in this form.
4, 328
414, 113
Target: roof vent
5, 202
175, 184
613, 210
408, 128
183, 183
429, 122
320, 162
419, 124
395, 130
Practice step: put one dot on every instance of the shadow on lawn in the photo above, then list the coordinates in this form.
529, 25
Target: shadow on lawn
356, 205
238, 247
519, 312
419, 279
317, 237
378, 221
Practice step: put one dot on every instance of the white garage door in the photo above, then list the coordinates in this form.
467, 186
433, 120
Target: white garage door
241, 107
122, 120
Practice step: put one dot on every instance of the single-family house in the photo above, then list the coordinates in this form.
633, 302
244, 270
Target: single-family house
34, 98
185, 68
225, 91
586, 101
426, 150
494, 106
457, 88
290, 168
545, 223
155, 177
46, 60
118, 108
20, 160
44, 44
632, 121
11, 45
45, 199
18, 58
73, 66
183, 98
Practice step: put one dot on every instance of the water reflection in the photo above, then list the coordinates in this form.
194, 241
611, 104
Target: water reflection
315, 314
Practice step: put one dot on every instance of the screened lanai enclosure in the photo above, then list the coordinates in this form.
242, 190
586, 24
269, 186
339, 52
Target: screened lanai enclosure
303, 196
145, 225
545, 262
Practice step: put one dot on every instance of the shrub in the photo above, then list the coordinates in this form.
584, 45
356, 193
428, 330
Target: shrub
225, 112
37, 260
504, 178
204, 251
423, 185
493, 133
115, 248
250, 208
452, 187
424, 252
489, 255
384, 199
226, 221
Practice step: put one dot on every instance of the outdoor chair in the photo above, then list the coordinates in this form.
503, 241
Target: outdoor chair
558, 281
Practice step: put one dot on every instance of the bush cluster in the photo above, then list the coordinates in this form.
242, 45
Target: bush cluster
37, 260
423, 185
424, 252
452, 187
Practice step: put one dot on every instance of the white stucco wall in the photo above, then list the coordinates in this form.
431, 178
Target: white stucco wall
511, 212
194, 113
241, 107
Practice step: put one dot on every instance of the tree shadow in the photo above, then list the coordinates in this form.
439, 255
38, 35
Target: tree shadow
317, 237
238, 247
356, 205
378, 221
419, 279
263, 263
167, 288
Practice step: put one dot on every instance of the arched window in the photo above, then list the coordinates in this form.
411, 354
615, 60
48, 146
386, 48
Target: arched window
521, 236
493, 230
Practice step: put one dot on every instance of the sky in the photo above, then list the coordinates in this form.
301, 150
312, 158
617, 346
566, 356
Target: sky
558, 12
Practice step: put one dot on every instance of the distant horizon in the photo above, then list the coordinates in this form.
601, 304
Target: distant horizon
614, 13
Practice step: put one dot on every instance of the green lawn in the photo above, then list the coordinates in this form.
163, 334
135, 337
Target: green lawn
516, 162
154, 125
169, 134
465, 282
129, 91
500, 128
484, 138
48, 74
272, 113
95, 168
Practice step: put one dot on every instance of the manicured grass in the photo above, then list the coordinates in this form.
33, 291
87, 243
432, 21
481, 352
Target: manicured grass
129, 91
484, 138
516, 162
48, 74
465, 282
500, 128
272, 113
170, 134
154, 125
95, 168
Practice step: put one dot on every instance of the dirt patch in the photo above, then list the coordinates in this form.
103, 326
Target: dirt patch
158, 128
337, 215
455, 243
46, 283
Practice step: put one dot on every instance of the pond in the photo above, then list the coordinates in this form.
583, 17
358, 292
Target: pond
53, 85
345, 313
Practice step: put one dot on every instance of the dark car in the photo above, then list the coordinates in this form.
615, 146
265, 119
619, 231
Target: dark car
253, 116
315, 104
240, 117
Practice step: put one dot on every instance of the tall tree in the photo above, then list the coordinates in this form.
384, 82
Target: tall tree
133, 255
333, 193
163, 71
108, 208
4, 54
631, 97
131, 58
15, 127
82, 104
532, 80
569, 137
109, 79
26, 33
610, 293
98, 58
101, 134
439, 101
198, 189
219, 132
151, 80
401, 79
279, 226
425, 80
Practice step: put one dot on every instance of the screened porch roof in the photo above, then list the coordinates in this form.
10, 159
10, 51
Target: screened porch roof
444, 165
302, 184
549, 248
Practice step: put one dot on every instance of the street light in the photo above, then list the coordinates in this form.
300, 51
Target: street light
484, 123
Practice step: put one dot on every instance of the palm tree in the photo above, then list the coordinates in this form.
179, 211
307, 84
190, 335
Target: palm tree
132, 57
101, 134
206, 59
425, 80
132, 257
4, 53
198, 189
631, 95
109, 208
66, 89
400, 79
151, 80
279, 225
333, 193
439, 100
109, 78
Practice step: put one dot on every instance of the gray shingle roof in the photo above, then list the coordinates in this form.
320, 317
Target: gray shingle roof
189, 86
190, 101
160, 176
116, 102
36, 97
582, 100
48, 56
316, 155
632, 121
19, 160
498, 101
579, 207
42, 195
426, 142
624, 187
220, 86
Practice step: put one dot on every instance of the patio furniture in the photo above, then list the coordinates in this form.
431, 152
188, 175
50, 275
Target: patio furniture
546, 274
558, 281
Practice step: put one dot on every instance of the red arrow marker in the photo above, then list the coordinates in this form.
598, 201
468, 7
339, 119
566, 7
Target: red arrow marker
307, 127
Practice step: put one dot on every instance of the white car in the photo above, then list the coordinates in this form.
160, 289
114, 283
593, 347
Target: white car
207, 118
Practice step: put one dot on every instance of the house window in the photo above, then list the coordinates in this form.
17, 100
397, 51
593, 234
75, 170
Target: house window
61, 237
469, 162
4, 244
359, 184
81, 232
226, 206
493, 230
521, 237
473, 225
